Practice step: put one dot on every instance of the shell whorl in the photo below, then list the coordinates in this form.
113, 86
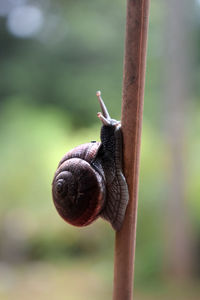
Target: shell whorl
79, 189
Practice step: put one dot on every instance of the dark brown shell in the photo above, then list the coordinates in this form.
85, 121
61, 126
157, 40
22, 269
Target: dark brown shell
79, 189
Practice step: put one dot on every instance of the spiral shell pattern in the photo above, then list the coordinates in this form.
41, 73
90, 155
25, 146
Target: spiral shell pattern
79, 189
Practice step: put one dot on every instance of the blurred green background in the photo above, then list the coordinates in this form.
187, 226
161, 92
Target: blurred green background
54, 55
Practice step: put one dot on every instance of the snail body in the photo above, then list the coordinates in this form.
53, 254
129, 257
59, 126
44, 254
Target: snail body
89, 181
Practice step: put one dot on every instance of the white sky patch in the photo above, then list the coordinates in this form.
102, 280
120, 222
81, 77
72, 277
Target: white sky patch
25, 21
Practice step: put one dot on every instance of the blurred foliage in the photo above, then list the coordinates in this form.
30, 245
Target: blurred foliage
48, 106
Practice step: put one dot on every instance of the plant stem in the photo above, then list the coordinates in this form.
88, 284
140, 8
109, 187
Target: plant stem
132, 110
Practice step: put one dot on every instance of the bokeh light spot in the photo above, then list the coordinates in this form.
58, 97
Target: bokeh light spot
25, 21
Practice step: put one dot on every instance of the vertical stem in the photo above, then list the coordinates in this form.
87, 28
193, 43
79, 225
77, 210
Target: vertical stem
178, 52
132, 110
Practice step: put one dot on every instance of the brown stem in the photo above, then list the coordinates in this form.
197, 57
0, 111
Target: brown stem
132, 110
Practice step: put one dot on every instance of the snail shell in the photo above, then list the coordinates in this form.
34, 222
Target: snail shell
89, 181
78, 189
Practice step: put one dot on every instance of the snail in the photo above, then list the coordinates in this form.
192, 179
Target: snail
89, 181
